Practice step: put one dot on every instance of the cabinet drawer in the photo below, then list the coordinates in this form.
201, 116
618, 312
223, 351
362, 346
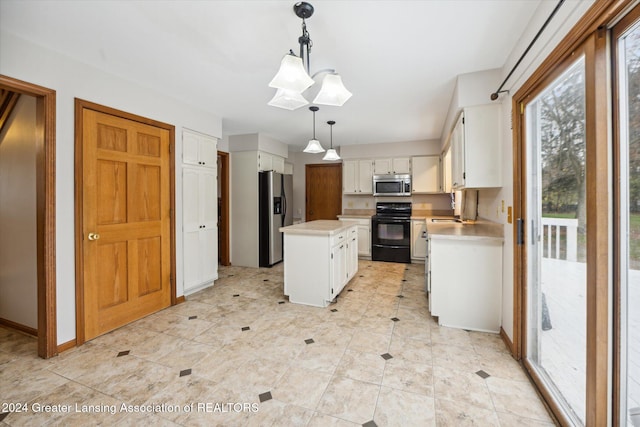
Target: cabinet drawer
339, 238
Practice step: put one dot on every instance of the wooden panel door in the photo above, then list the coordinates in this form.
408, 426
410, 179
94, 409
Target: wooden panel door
126, 223
323, 191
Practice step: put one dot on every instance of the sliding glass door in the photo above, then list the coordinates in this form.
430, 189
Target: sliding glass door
556, 226
627, 62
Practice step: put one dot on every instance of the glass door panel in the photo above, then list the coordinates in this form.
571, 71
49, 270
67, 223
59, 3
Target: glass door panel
628, 58
556, 252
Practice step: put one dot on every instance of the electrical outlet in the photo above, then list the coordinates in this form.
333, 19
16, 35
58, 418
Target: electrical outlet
503, 206
299, 211
366, 204
350, 204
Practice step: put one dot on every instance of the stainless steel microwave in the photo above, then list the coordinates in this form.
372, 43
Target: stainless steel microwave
392, 185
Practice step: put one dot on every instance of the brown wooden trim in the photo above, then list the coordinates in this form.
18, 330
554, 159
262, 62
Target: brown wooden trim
618, 30
80, 105
519, 208
506, 340
180, 299
223, 227
66, 346
554, 408
45, 209
19, 326
597, 172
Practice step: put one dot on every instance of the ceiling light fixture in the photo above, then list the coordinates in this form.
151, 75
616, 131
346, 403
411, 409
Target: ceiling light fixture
314, 145
293, 76
331, 153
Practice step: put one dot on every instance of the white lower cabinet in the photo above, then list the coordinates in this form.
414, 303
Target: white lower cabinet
200, 234
364, 235
418, 239
465, 281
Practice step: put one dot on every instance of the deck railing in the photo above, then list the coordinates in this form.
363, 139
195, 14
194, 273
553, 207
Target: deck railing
552, 232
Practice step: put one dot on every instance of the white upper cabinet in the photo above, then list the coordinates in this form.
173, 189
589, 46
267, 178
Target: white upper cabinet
476, 148
392, 166
426, 174
270, 162
357, 176
446, 171
199, 150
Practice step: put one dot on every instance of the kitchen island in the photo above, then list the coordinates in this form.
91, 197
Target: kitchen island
320, 257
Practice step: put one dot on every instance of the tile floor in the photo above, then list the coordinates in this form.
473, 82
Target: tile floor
240, 354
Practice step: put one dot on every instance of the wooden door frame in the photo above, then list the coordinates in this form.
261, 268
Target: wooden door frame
80, 105
224, 214
306, 182
45, 209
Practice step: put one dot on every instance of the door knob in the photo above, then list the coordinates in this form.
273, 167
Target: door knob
93, 236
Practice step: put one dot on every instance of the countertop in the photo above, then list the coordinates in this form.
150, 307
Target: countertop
323, 227
478, 230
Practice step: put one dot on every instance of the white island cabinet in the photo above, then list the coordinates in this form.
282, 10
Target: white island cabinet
320, 257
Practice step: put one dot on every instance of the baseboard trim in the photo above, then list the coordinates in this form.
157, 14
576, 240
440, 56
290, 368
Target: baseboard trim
20, 327
67, 345
507, 341
180, 299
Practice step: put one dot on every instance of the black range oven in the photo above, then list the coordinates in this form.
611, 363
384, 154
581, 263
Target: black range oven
391, 232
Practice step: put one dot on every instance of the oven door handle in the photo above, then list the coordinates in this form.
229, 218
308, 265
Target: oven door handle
391, 221
391, 246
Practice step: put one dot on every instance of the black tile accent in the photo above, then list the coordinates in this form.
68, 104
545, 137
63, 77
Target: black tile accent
361, 275
236, 295
265, 396
309, 341
386, 356
281, 302
370, 424
265, 280
334, 310
245, 328
231, 275
185, 372
483, 374
349, 290
4, 415
404, 280
400, 296
395, 319
124, 353
193, 317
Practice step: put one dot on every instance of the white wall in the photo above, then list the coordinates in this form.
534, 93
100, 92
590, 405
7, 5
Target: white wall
18, 256
26, 61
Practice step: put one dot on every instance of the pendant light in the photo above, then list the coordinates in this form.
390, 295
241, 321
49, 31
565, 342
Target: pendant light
331, 153
294, 77
314, 145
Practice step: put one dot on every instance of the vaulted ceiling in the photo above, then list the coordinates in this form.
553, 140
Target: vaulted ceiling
398, 58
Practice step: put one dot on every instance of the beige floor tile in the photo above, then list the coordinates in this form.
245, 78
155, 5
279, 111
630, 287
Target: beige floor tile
418, 330
349, 399
509, 420
461, 387
450, 336
370, 342
410, 349
301, 387
361, 366
275, 413
321, 420
501, 365
517, 398
318, 357
454, 357
459, 414
401, 408
408, 376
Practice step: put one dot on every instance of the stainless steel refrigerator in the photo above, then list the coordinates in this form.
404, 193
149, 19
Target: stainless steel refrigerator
275, 205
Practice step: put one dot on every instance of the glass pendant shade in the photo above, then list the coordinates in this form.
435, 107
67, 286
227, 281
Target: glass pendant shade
288, 99
332, 92
314, 146
331, 155
291, 75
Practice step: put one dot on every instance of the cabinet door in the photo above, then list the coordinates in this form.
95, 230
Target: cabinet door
401, 165
208, 184
352, 254
364, 240
208, 254
365, 176
208, 154
382, 166
426, 172
446, 171
265, 162
190, 148
338, 269
278, 164
288, 169
191, 262
457, 153
418, 239
349, 176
